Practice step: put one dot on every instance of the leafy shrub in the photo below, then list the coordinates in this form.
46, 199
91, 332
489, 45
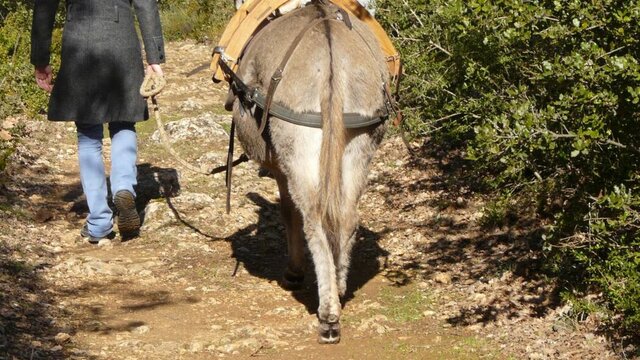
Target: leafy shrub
18, 89
10, 133
611, 252
544, 97
202, 20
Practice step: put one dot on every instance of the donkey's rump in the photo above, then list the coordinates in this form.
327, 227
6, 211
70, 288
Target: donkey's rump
328, 45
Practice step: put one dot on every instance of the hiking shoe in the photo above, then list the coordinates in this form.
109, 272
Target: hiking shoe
128, 217
84, 232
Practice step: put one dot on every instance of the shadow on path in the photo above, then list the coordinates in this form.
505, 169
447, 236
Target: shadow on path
27, 326
262, 249
96, 316
29, 317
455, 242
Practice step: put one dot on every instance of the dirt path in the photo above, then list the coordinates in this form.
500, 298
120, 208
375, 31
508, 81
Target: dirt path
427, 281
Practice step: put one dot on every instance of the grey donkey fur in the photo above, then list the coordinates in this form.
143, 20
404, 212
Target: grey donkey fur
321, 173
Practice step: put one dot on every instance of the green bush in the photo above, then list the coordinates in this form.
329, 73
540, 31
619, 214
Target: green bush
611, 252
544, 97
18, 89
202, 20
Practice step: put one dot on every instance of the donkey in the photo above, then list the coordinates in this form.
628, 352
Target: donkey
321, 172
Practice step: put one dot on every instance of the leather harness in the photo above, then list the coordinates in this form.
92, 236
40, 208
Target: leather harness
251, 96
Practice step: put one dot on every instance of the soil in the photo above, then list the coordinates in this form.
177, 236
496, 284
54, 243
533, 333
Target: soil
428, 281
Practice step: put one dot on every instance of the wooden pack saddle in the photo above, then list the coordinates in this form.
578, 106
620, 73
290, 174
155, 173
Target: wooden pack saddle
254, 12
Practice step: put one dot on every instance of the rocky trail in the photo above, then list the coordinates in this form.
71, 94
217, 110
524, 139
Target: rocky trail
427, 280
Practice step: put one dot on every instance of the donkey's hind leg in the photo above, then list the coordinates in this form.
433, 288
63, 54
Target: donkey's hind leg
355, 168
348, 230
329, 300
343, 260
293, 278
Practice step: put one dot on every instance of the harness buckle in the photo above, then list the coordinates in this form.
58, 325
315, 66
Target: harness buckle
277, 75
220, 51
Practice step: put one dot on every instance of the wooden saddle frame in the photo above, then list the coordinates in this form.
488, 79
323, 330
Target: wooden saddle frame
253, 13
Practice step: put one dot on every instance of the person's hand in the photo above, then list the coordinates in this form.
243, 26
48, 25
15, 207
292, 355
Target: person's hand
44, 77
154, 68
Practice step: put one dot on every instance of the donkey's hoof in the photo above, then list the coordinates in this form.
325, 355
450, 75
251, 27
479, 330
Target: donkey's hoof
291, 281
329, 333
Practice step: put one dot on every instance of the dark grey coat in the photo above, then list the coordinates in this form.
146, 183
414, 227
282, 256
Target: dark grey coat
101, 69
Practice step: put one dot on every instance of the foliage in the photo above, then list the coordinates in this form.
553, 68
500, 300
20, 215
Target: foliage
544, 97
611, 252
18, 90
499, 212
10, 133
7, 6
202, 20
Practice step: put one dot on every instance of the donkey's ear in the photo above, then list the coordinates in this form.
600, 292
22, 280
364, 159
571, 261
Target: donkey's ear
239, 3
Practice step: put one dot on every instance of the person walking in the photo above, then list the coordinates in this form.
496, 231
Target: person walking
98, 83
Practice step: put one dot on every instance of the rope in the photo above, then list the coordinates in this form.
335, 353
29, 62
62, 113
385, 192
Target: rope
151, 86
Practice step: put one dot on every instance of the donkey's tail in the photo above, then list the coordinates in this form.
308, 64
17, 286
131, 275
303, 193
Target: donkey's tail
330, 193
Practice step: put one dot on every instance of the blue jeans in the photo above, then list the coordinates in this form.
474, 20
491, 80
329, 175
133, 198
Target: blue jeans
92, 173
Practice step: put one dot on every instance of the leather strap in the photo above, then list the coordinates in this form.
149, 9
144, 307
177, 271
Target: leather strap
277, 75
230, 164
252, 96
265, 102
